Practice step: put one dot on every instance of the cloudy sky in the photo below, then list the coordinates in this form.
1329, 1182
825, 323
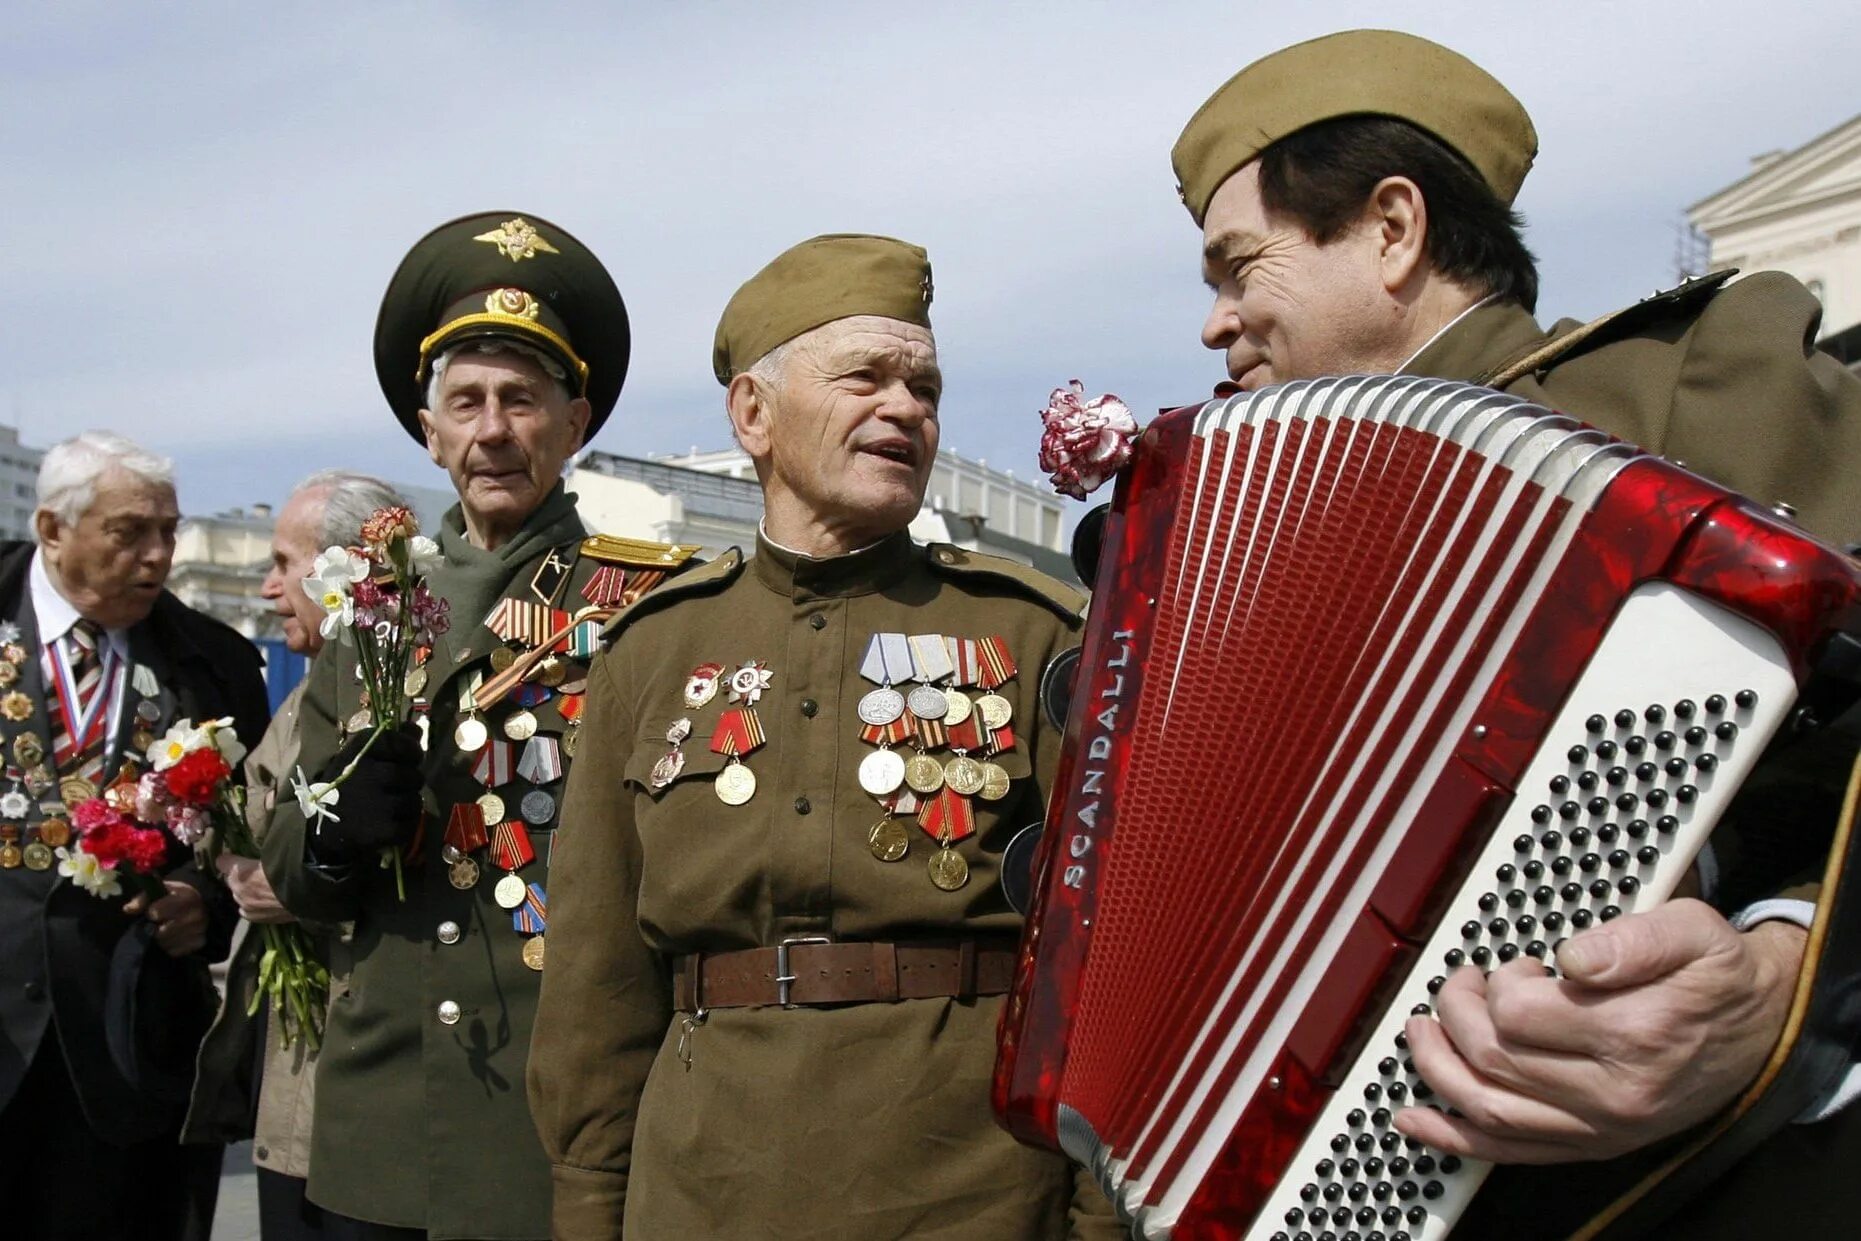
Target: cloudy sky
203, 202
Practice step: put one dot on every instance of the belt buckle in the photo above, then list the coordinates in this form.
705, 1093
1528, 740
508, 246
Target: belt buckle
784, 974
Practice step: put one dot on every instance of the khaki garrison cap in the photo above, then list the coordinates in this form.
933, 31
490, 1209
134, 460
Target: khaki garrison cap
1356, 73
820, 280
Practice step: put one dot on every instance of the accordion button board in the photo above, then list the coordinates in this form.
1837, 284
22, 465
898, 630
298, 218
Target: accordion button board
1466, 679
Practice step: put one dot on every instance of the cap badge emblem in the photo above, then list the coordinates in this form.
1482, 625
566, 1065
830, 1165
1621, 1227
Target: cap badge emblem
512, 304
924, 287
517, 239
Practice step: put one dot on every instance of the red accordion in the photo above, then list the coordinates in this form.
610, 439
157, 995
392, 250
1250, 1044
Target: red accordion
1382, 676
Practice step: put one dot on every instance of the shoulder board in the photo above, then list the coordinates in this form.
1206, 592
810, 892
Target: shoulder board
637, 553
1681, 300
959, 562
705, 579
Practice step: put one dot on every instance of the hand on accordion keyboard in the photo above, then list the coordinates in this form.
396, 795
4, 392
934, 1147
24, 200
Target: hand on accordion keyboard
1660, 1020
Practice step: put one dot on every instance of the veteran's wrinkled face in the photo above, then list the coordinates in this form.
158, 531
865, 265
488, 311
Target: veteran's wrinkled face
293, 549
503, 429
844, 442
112, 562
1287, 307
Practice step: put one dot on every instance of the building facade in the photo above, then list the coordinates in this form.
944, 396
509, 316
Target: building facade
1796, 211
19, 484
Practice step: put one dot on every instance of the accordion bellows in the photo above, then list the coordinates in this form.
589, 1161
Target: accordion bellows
1382, 676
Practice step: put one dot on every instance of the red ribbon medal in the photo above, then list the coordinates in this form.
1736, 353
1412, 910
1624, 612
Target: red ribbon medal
887, 734
997, 664
465, 830
949, 811
968, 734
510, 844
738, 732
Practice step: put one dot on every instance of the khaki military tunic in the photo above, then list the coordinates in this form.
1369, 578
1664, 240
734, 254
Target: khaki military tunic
863, 1121
1725, 380
421, 1120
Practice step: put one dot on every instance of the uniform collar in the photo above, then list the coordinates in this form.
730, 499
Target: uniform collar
1484, 334
870, 569
53, 612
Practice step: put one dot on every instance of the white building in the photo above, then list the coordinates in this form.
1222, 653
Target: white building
19, 484
1799, 212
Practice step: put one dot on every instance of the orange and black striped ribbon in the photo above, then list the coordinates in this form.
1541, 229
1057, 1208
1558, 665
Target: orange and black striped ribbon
738, 732
898, 730
997, 664
510, 844
949, 811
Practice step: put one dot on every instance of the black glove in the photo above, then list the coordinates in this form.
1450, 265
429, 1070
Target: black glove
379, 804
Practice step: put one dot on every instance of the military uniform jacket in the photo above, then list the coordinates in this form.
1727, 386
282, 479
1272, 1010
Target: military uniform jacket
1722, 378
867, 1121
420, 1118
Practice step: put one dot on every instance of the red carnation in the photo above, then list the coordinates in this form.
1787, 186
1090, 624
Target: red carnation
194, 779
146, 848
108, 841
94, 812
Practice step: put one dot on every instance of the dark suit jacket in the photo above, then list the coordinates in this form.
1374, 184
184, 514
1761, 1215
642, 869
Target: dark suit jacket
57, 941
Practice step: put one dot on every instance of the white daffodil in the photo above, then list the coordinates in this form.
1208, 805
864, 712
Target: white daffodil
331, 583
181, 739
225, 739
316, 800
423, 554
85, 871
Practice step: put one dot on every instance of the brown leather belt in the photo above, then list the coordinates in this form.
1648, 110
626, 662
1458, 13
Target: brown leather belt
806, 969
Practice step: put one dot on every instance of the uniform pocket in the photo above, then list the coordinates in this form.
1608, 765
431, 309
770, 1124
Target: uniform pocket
649, 770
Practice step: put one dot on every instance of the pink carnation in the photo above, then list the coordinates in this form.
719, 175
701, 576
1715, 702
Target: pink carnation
151, 797
1083, 442
188, 823
93, 813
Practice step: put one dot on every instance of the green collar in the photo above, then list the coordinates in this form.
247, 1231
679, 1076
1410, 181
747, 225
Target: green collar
867, 571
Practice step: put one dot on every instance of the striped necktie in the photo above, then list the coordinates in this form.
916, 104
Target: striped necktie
82, 757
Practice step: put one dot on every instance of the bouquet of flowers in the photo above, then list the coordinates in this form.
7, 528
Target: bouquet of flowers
375, 598
1084, 442
132, 828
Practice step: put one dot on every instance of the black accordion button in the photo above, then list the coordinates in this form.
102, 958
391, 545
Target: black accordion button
1655, 714
1684, 709
1606, 750
1746, 699
1596, 724
1715, 705
1707, 762
1726, 730
1624, 718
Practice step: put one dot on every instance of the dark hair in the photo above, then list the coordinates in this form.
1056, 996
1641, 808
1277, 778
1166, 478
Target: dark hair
1322, 175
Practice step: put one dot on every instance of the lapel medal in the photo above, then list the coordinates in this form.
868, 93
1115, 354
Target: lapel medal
881, 772
701, 685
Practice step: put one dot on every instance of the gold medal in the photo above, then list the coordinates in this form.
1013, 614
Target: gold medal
533, 952
55, 832
10, 856
995, 782
74, 789
15, 706
736, 784
493, 807
520, 726
13, 653
9, 675
964, 775
142, 739
37, 856
509, 891
923, 774
994, 710
29, 750
551, 673
360, 722
470, 734
502, 659
881, 772
948, 870
40, 780
960, 707
463, 874
414, 681
889, 840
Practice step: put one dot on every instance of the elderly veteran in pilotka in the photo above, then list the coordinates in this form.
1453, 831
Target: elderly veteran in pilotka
102, 998
252, 1083
1354, 195
501, 346
783, 943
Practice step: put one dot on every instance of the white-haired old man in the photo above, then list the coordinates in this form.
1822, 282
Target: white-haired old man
274, 1104
102, 1000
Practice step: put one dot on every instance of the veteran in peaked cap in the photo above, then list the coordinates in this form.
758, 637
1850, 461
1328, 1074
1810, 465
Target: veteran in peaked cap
502, 275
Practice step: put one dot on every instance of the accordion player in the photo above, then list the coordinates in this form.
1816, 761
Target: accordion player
1385, 676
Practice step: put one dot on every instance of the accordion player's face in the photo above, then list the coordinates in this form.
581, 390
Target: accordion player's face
1289, 307
848, 438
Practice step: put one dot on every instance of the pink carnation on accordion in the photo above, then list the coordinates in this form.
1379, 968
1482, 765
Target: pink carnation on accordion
1084, 442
